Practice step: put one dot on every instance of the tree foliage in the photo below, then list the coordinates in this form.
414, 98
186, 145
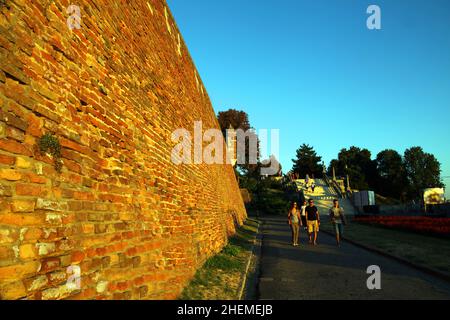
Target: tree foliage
357, 163
307, 162
239, 120
423, 171
234, 118
392, 176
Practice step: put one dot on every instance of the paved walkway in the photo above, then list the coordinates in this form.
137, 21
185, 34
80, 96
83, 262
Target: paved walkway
328, 272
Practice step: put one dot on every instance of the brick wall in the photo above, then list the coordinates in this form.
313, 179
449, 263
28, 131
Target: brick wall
112, 92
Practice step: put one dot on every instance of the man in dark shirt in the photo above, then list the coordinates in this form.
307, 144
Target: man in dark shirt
313, 221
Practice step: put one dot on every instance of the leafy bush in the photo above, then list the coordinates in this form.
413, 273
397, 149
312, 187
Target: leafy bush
231, 250
272, 183
273, 202
48, 143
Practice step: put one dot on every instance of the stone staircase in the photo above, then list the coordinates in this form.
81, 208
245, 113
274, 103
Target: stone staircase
323, 196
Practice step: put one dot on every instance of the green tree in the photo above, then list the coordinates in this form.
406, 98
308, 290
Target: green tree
334, 164
239, 120
307, 162
393, 180
357, 163
234, 118
423, 171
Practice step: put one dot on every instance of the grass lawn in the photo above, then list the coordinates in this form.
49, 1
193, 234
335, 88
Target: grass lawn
428, 251
221, 275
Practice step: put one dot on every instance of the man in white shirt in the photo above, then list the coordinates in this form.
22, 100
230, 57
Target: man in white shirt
303, 213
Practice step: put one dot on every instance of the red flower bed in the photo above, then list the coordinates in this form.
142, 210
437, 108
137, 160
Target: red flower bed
439, 226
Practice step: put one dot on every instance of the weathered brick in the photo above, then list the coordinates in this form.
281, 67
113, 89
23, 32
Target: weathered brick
136, 261
23, 205
88, 228
44, 249
8, 160
51, 205
54, 219
36, 283
102, 286
6, 254
15, 147
8, 235
20, 219
65, 260
12, 120
28, 234
19, 270
12, 290
27, 251
15, 134
34, 178
106, 262
5, 191
23, 189
143, 291
100, 228
10, 174
57, 277
78, 256
50, 264
75, 205
2, 130
22, 163
35, 126
57, 293
39, 168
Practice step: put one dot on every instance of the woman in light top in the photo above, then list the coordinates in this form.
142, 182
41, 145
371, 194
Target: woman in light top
295, 222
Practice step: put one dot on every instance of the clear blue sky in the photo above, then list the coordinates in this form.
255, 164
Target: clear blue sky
313, 70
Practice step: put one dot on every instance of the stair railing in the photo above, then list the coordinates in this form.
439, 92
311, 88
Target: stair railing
334, 185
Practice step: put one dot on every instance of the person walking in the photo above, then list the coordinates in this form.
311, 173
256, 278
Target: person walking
313, 186
295, 222
338, 219
303, 214
313, 221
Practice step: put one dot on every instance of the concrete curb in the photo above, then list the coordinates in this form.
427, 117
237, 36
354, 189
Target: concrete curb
251, 256
430, 271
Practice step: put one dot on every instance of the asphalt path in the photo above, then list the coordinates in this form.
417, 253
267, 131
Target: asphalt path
328, 272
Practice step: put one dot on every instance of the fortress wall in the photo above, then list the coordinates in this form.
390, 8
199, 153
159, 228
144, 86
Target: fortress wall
112, 92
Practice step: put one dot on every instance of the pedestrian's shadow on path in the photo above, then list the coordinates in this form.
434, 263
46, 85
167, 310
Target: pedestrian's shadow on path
277, 245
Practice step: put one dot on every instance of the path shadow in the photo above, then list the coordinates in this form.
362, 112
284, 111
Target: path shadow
277, 245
